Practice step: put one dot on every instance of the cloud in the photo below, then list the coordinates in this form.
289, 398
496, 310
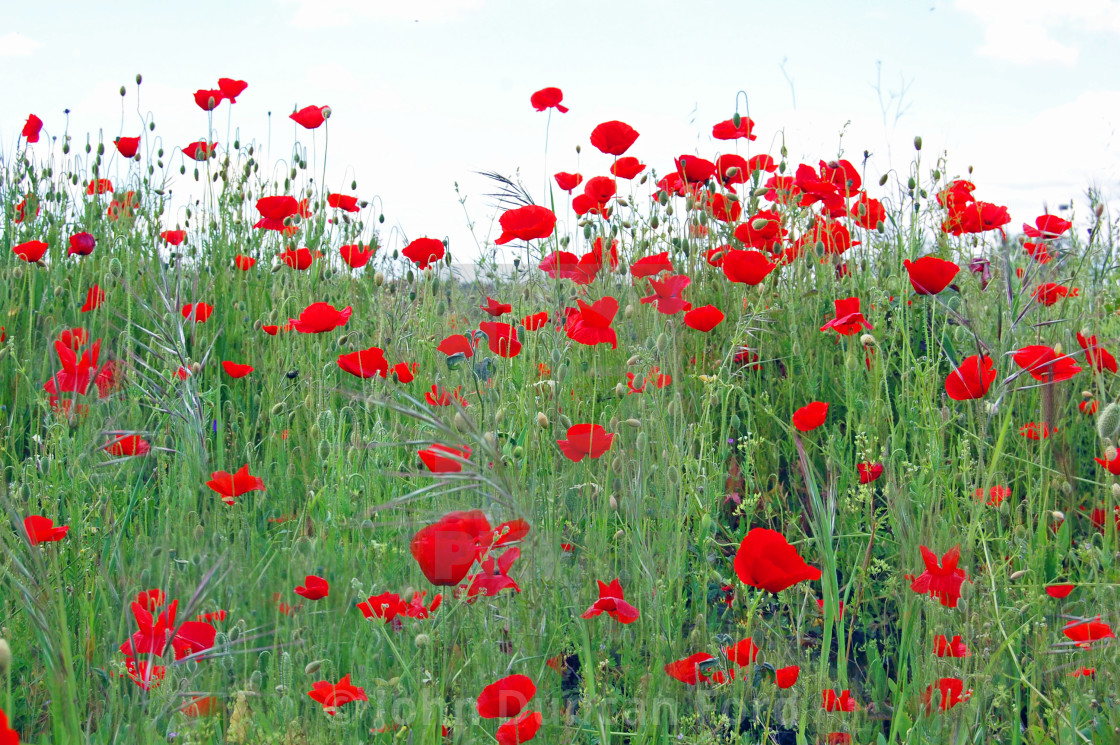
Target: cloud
17, 45
328, 13
1022, 31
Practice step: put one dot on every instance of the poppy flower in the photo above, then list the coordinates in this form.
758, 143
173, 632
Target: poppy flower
763, 230
119, 209
868, 212
586, 441
501, 338
386, 606
244, 263
1099, 359
767, 561
628, 167
746, 267
151, 600
127, 146
273, 330
786, 677
952, 693
1045, 365
548, 98
1088, 408
522, 728
727, 130
236, 370
649, 266
972, 379
613, 137
405, 372
99, 186
1059, 591
1049, 293
1037, 431
506, 697
437, 460
1112, 466
365, 363
203, 706
334, 696
688, 670
81, 244
231, 88
969, 217
200, 312
742, 653
612, 603
869, 472
942, 582
1084, 633
174, 237
446, 550
667, 294
276, 210
566, 265
494, 308
43, 530
457, 344
535, 322
200, 150
810, 416
1084, 672
838, 702
30, 251
996, 495
1038, 251
424, 251
945, 647
526, 223
416, 608
694, 170
32, 128
704, 318
299, 259
930, 275
1047, 227
356, 256
319, 318
848, 319
591, 324
568, 181
343, 202
311, 117
208, 100
130, 445
231, 486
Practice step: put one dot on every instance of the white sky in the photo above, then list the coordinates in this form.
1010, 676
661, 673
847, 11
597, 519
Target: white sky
426, 92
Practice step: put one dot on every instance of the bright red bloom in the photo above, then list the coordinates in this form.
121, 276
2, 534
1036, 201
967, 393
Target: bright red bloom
457, 344
704, 318
535, 322
1059, 591
43, 530
311, 117
649, 266
942, 582
151, 600
996, 495
365, 363
356, 256
231, 88
1049, 293
494, 308
1099, 358
81, 244
343, 202
386, 606
319, 318
127, 146
628, 167
1044, 364
1038, 251
848, 320
724, 209
447, 549
763, 230
766, 560
1047, 227
930, 275
424, 251
667, 294
506, 697
526, 223
945, 647
129, 445
32, 128
501, 338
493, 577
810, 416
726, 130
952, 693
694, 170
416, 607
869, 472
839, 702
199, 312
1084, 633
786, 677
522, 728
613, 137
972, 379
200, 150
333, 696
1113, 466
612, 603
868, 212
746, 267
174, 237
231, 486
235, 369
208, 100
586, 441
742, 653
974, 217
405, 372
437, 460
548, 98
30, 251
1037, 431
568, 181
244, 263
688, 670
299, 259
99, 186
591, 324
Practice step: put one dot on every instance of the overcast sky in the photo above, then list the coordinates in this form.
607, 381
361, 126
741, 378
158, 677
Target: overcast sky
426, 92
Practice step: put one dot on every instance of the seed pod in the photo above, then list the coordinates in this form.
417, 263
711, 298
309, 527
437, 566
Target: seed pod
422, 640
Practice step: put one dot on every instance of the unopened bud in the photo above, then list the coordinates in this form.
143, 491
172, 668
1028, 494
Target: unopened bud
634, 423
326, 112
759, 223
542, 420
1108, 423
422, 640
5, 656
312, 667
918, 143
614, 503
867, 340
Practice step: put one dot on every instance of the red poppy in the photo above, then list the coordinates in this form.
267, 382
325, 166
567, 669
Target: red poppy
200, 151
1084, 672
548, 98
501, 338
1113, 466
869, 472
763, 230
1045, 365
838, 702
32, 128
230, 486
868, 213
405, 372
970, 216
1038, 251
972, 379
848, 319
81, 244
208, 100
1084, 633
203, 706
612, 603
200, 312
742, 653
746, 267
766, 560
688, 670
1047, 227
424, 251
365, 363
319, 318
275, 212
786, 677
727, 130
356, 256
439, 396
99, 186
591, 324
1049, 293
586, 441
568, 181
526, 223
534, 322
447, 549
506, 697
1037, 431
30, 251
333, 696
386, 606
311, 117
930, 275
231, 88
236, 370
21, 209
299, 259
704, 318
174, 237
521, 728
628, 167
119, 209
127, 146
724, 209
1088, 408
437, 459
694, 170
494, 308
810, 416
130, 445
1099, 359
649, 266
43, 530
1059, 591
951, 694
613, 137
244, 263
457, 344
942, 582
343, 202
667, 294
945, 647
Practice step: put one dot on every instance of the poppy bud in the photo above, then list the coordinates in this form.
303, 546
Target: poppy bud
378, 279
1016, 575
662, 342
324, 450
614, 504
936, 175
312, 667
879, 226
918, 143
1110, 453
642, 441
1108, 423
1116, 491
5, 656
542, 420
460, 422
633, 423
565, 422
620, 390
1058, 349
115, 267
867, 340
561, 373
